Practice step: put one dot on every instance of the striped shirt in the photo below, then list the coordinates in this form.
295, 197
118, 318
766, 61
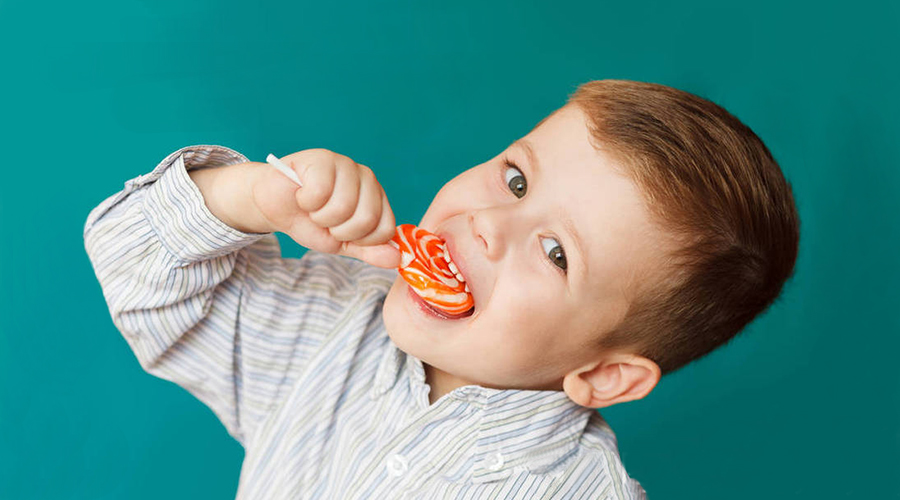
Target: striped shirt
292, 356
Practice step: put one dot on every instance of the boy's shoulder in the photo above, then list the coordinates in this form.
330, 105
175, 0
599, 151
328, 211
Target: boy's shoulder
599, 447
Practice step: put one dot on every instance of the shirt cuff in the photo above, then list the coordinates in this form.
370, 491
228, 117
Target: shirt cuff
177, 211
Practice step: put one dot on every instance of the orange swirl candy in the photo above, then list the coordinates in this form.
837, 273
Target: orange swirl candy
427, 271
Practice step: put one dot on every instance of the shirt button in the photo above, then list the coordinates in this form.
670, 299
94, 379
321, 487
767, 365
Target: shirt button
397, 465
494, 461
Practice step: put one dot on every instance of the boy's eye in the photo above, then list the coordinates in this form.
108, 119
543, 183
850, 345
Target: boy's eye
555, 251
518, 185
515, 181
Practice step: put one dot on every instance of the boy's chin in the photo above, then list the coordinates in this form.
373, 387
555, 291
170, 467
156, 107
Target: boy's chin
394, 315
402, 331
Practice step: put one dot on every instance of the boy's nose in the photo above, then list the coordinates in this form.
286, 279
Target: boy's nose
493, 228
476, 234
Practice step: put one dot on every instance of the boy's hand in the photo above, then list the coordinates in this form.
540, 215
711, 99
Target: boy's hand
341, 208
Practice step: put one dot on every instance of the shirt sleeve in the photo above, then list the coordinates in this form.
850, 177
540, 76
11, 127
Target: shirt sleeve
215, 310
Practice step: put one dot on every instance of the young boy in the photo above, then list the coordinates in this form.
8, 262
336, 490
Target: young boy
633, 230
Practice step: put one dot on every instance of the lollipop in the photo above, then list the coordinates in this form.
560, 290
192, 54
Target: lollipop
425, 266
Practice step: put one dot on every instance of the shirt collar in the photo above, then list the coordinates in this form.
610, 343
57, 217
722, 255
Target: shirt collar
519, 430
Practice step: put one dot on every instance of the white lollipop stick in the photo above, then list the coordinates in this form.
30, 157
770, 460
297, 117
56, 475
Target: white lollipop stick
284, 169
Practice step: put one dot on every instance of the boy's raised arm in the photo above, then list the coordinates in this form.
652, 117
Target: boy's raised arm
205, 305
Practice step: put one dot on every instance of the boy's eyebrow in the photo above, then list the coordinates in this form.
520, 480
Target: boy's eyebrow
573, 233
567, 222
532, 158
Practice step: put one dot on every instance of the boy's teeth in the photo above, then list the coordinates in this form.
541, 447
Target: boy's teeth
467, 288
453, 268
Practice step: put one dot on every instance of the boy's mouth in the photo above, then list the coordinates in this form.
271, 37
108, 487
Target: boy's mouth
427, 268
432, 311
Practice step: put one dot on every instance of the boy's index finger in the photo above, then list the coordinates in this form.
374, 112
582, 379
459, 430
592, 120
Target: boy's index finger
302, 161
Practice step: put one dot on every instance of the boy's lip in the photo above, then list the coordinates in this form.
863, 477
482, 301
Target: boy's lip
430, 310
461, 264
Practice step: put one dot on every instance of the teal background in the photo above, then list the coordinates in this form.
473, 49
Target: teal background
804, 404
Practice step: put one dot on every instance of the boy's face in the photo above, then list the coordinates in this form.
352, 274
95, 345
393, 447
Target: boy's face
533, 320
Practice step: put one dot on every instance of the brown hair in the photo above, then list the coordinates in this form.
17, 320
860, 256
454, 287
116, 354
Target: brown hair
710, 183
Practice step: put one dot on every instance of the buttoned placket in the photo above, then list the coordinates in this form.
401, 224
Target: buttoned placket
393, 365
397, 465
400, 475
493, 463
402, 471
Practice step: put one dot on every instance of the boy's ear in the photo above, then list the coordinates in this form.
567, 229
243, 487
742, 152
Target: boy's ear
615, 379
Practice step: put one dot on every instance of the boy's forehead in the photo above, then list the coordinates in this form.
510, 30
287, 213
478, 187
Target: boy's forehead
563, 142
565, 127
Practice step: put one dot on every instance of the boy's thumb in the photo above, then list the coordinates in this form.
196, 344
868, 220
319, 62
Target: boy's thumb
383, 255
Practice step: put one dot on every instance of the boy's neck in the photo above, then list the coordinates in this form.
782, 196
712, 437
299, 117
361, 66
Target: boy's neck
440, 382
